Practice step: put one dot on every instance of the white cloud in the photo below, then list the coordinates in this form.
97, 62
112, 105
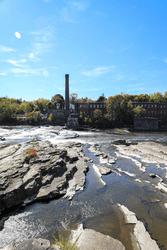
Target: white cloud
6, 49
26, 71
46, 1
17, 63
66, 16
3, 74
79, 6
68, 13
42, 43
17, 34
98, 71
40, 48
33, 57
43, 35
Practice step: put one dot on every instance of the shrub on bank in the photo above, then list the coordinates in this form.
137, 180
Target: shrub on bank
31, 154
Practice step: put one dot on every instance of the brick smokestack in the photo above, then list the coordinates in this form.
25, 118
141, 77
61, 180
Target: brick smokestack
67, 91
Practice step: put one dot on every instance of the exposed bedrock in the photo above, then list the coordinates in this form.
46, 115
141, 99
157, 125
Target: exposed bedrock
44, 174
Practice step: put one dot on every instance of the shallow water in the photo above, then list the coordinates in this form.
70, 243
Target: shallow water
95, 206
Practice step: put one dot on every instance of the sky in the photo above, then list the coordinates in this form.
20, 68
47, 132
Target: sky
107, 47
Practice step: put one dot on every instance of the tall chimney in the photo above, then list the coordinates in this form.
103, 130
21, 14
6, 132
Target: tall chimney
67, 91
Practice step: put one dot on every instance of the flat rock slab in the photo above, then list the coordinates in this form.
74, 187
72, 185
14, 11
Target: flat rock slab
150, 152
144, 238
30, 244
89, 239
104, 170
139, 235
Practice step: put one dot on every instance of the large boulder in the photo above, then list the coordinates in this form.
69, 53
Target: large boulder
89, 239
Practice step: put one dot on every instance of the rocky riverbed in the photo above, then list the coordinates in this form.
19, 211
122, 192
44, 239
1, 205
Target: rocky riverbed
85, 170
44, 176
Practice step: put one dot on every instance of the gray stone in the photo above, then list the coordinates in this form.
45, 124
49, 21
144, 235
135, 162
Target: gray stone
119, 142
89, 239
104, 170
111, 161
144, 238
42, 177
139, 234
30, 244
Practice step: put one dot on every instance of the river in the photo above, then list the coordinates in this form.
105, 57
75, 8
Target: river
95, 206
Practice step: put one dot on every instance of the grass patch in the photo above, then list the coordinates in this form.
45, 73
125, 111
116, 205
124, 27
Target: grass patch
65, 244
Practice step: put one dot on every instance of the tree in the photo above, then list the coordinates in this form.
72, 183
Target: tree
165, 96
58, 99
139, 111
97, 114
101, 98
41, 104
6, 110
156, 97
73, 98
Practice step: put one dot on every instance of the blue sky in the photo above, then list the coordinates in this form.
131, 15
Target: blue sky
105, 46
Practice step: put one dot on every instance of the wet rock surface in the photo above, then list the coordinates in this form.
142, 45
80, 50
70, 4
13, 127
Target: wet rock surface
41, 177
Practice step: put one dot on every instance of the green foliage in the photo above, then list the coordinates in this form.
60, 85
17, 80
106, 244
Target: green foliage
50, 118
64, 244
58, 99
73, 98
139, 111
33, 117
41, 105
97, 115
101, 98
157, 97
7, 110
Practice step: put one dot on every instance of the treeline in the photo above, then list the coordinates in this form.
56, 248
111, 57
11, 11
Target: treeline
120, 111
156, 97
13, 110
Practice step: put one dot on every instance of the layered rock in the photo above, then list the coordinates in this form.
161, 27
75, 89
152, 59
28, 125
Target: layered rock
87, 239
45, 175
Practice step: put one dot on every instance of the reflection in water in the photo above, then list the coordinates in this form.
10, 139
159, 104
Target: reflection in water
95, 206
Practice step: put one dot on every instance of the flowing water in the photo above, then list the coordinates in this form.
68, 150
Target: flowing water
95, 206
